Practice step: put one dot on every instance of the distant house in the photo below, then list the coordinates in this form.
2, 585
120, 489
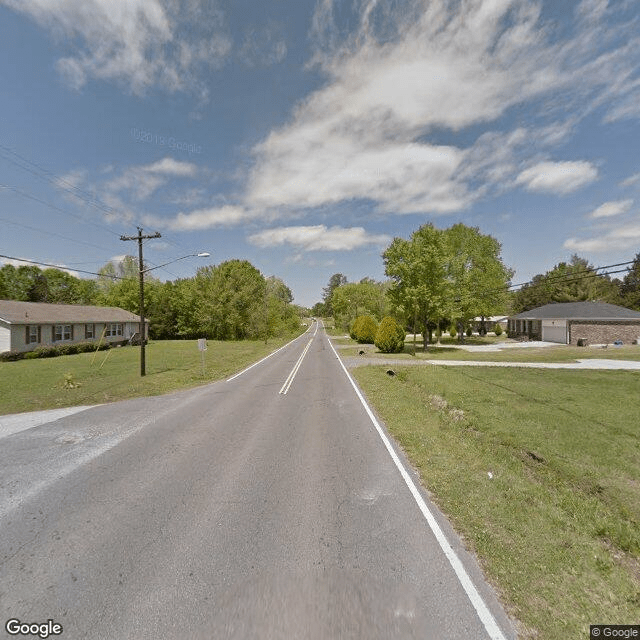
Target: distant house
24, 326
490, 323
568, 322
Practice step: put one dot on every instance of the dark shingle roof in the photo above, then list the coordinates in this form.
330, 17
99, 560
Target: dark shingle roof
579, 311
15, 312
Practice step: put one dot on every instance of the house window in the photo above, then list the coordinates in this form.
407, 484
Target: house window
33, 334
63, 332
89, 331
114, 329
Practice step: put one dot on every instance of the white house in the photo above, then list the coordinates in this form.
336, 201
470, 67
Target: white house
24, 326
568, 322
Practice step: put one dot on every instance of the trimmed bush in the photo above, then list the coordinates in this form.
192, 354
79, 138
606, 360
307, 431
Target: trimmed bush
390, 336
46, 352
30, 355
67, 349
452, 332
355, 328
498, 329
11, 356
364, 329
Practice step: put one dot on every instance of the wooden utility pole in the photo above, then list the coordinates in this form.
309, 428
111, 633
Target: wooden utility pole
143, 337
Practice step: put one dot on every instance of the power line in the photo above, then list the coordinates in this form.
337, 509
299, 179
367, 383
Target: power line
56, 181
57, 266
25, 194
51, 233
60, 183
544, 278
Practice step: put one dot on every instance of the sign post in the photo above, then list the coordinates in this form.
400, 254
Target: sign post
202, 347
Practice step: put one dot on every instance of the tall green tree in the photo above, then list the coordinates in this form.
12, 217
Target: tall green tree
231, 300
354, 299
630, 286
476, 273
420, 291
572, 281
335, 281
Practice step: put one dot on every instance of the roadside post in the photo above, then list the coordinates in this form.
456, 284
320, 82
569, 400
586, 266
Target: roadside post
202, 347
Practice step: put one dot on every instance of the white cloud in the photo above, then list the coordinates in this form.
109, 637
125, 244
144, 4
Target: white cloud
227, 215
143, 181
142, 43
557, 177
609, 209
318, 238
631, 180
169, 166
621, 238
437, 66
595, 245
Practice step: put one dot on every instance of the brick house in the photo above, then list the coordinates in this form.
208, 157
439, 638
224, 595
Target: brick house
24, 326
568, 322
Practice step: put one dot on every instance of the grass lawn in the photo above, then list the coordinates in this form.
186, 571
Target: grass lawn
560, 353
31, 385
539, 470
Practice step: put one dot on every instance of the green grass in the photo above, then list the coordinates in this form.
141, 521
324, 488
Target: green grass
560, 353
30, 385
557, 525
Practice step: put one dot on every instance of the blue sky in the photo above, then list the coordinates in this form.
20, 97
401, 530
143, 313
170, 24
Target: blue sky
303, 135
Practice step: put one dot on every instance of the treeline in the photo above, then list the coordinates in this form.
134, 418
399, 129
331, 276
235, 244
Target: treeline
229, 301
439, 278
576, 281
442, 279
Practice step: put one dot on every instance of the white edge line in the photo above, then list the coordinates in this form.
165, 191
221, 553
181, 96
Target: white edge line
483, 612
273, 353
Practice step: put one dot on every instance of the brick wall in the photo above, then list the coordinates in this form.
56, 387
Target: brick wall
599, 332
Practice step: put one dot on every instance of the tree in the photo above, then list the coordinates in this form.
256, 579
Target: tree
418, 269
477, 274
630, 286
282, 315
354, 299
336, 280
231, 300
574, 281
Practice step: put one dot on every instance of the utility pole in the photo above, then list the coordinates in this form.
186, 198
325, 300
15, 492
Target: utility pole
143, 337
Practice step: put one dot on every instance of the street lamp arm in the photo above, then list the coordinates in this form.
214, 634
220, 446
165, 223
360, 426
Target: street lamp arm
202, 254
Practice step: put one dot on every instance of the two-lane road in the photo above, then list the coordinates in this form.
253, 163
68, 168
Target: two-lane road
266, 506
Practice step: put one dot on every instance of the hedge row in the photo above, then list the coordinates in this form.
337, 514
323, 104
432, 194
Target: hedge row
52, 352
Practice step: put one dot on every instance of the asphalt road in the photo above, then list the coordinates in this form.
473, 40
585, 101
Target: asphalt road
267, 506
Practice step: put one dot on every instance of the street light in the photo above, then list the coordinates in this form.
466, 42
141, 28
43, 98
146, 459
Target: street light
202, 254
142, 271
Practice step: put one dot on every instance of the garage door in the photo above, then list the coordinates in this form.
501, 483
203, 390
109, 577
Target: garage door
556, 333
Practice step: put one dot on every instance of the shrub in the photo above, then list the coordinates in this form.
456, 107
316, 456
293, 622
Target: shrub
452, 332
498, 329
390, 336
86, 347
469, 331
355, 328
67, 349
11, 356
46, 352
30, 355
364, 329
